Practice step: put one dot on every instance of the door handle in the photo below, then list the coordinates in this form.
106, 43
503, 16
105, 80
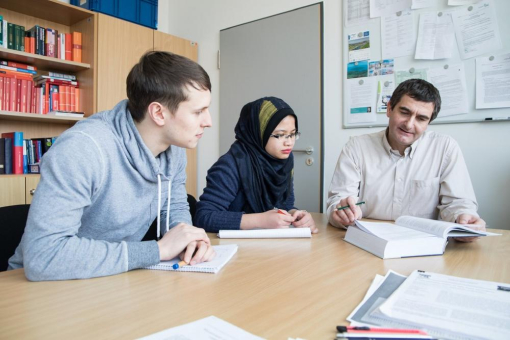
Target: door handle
309, 150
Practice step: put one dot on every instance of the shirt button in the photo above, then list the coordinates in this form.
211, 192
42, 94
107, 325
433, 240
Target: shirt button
400, 179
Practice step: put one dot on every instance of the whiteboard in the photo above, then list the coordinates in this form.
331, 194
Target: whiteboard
408, 62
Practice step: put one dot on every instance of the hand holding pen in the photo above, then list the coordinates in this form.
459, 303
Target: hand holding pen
347, 211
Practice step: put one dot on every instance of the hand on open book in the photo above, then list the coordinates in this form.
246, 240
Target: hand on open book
303, 219
470, 219
346, 217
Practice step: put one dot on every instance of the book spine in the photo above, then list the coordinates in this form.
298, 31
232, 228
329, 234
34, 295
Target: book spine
62, 46
25, 158
68, 98
77, 102
2, 93
4, 34
69, 47
10, 36
22, 38
8, 155
17, 43
39, 151
1, 30
7, 93
24, 95
62, 97
18, 95
2, 156
77, 47
21, 66
73, 99
17, 149
54, 106
14, 95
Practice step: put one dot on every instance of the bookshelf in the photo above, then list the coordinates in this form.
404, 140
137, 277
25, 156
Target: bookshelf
110, 48
16, 189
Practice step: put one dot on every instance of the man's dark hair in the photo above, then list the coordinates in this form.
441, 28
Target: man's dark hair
420, 90
162, 77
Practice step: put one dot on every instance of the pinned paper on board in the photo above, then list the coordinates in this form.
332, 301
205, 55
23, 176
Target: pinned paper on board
476, 29
359, 46
357, 69
362, 96
356, 12
381, 67
385, 89
420, 73
397, 35
493, 81
451, 83
435, 36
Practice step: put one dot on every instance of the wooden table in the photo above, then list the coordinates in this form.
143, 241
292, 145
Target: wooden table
272, 288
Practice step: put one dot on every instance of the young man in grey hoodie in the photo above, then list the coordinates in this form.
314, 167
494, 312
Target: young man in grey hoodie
107, 178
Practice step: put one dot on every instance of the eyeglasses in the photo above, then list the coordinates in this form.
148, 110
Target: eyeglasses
294, 135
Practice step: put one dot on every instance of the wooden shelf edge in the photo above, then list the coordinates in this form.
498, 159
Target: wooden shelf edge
35, 117
18, 175
51, 10
42, 62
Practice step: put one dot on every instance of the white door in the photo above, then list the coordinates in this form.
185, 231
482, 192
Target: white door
279, 56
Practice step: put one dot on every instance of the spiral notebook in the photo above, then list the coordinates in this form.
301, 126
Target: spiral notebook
223, 255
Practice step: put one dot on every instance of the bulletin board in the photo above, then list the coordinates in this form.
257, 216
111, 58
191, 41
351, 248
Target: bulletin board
372, 29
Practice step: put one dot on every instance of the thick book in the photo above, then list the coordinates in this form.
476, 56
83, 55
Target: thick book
267, 233
223, 254
409, 236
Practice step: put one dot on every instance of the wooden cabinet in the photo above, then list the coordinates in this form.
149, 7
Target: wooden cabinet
110, 48
17, 189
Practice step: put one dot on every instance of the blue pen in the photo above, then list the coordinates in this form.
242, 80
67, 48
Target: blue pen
180, 264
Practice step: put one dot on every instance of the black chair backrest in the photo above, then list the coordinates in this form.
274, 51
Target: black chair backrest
152, 232
12, 225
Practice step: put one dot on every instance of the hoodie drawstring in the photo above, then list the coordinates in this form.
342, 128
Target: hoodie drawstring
167, 207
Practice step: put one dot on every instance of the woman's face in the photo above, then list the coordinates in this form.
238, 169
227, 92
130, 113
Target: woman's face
281, 147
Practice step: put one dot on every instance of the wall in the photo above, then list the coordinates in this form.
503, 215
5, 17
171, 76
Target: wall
486, 146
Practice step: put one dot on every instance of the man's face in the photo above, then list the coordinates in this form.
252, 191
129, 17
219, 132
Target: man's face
408, 121
186, 125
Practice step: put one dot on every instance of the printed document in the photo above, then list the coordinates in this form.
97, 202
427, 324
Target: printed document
397, 35
451, 307
477, 30
361, 100
381, 8
210, 328
435, 36
493, 82
451, 83
417, 4
356, 12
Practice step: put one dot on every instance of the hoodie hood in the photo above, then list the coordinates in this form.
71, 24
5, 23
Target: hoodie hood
138, 154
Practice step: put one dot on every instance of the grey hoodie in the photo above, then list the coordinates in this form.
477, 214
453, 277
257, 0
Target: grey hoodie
97, 197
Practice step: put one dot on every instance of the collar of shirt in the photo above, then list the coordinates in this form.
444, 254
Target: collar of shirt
410, 150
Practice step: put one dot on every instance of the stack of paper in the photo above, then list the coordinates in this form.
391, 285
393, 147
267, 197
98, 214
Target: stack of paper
444, 306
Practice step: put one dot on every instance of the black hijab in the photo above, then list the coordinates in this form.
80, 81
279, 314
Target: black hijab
265, 180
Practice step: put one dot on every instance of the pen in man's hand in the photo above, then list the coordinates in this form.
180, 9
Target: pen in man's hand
347, 206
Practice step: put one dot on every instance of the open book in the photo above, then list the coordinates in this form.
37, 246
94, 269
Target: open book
409, 236
223, 255
266, 233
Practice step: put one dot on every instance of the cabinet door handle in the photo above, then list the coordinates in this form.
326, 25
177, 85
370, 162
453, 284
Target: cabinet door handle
32, 192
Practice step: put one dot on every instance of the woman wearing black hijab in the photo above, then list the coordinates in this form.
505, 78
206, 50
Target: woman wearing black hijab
251, 186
